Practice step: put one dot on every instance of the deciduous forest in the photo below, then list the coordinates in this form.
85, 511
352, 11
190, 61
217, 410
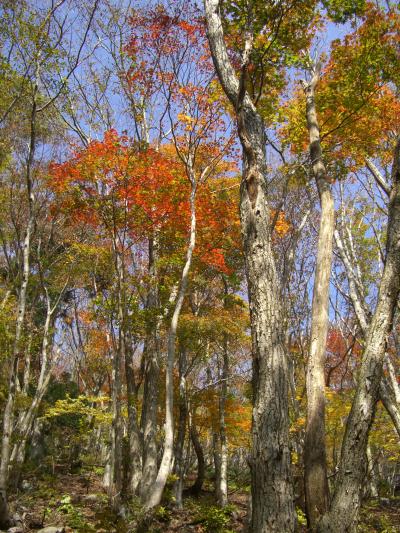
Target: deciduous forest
199, 266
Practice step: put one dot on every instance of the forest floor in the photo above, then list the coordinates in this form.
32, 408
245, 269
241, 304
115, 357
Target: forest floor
78, 503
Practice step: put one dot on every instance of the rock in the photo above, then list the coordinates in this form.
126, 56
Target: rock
91, 498
52, 529
17, 519
26, 486
122, 512
17, 529
385, 502
35, 523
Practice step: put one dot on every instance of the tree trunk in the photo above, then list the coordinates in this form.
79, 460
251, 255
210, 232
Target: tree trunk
315, 467
134, 437
195, 489
216, 444
151, 382
151, 391
222, 478
272, 502
26, 421
8, 415
166, 461
389, 401
389, 388
115, 488
179, 466
371, 489
272, 491
352, 467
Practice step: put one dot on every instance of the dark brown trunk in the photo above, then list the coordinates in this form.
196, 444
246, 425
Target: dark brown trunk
195, 489
179, 466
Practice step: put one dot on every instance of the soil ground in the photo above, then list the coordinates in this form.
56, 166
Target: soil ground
78, 503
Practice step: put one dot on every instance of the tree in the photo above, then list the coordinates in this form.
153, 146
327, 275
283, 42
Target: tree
29, 65
272, 502
315, 471
347, 495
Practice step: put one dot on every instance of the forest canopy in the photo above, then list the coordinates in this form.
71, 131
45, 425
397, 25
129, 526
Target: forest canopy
199, 266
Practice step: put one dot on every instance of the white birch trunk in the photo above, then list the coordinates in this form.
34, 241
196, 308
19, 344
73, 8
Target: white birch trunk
166, 461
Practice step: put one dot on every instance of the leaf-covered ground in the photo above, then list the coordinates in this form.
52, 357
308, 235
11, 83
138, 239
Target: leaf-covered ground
78, 503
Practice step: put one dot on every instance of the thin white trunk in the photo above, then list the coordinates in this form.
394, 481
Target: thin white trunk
352, 467
315, 465
389, 388
166, 461
8, 415
25, 424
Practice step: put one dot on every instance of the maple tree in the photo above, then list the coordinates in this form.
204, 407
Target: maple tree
156, 162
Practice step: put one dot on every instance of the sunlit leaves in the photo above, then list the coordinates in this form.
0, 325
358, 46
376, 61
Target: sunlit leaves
356, 98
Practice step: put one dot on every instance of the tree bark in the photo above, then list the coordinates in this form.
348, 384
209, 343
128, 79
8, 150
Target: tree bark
272, 494
116, 485
352, 467
371, 488
151, 382
166, 461
195, 489
222, 480
179, 467
389, 388
315, 467
134, 437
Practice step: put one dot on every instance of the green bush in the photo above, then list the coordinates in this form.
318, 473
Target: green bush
75, 520
216, 519
162, 514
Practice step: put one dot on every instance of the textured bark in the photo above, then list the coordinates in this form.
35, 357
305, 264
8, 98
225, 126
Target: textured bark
115, 488
179, 466
222, 477
315, 467
392, 381
272, 494
346, 501
134, 437
389, 390
149, 419
151, 383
